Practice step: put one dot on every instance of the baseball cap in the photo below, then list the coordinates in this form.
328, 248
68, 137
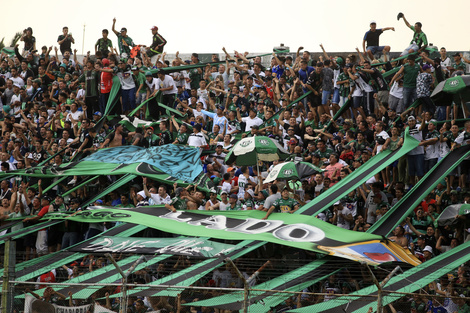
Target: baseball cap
123, 29
105, 62
16, 85
251, 192
234, 196
337, 203
421, 237
99, 201
426, 67
373, 22
47, 198
411, 118
97, 113
134, 68
428, 249
37, 81
154, 28
224, 193
148, 73
63, 65
230, 169
456, 54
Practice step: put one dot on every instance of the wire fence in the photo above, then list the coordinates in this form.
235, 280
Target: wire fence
187, 299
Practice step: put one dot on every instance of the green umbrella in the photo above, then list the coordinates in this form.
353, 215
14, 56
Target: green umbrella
250, 150
292, 170
452, 89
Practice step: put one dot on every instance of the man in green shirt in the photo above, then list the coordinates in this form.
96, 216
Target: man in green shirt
140, 78
284, 205
179, 201
419, 41
234, 205
182, 136
104, 44
410, 72
124, 42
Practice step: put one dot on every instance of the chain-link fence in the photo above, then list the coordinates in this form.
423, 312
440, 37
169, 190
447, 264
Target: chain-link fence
187, 299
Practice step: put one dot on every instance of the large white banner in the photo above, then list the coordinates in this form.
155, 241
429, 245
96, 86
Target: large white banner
33, 305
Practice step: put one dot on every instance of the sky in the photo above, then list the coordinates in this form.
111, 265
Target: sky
206, 26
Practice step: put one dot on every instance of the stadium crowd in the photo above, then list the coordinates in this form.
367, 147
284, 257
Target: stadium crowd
51, 105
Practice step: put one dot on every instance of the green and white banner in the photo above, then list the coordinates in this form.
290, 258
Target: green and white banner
195, 247
293, 230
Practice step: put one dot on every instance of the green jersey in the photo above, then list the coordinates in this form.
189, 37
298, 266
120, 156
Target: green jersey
141, 80
195, 77
249, 204
125, 44
233, 126
410, 73
182, 138
310, 123
178, 204
236, 207
285, 205
91, 79
104, 44
419, 39
344, 89
326, 154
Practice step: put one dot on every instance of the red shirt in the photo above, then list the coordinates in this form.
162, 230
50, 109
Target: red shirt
425, 204
106, 81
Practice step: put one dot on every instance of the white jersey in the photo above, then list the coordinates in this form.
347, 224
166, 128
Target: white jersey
342, 222
197, 140
242, 183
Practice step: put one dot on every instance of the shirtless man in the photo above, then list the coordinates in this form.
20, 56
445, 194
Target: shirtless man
399, 237
116, 139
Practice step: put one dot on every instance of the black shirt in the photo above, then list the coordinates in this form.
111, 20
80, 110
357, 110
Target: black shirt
66, 44
372, 38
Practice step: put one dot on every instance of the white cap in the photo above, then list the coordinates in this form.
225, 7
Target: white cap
142, 194
17, 85
337, 203
251, 192
428, 249
373, 22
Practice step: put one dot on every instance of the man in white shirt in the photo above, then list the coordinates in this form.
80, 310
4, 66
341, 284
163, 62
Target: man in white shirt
168, 88
249, 121
342, 216
381, 137
15, 78
74, 115
197, 139
243, 179
152, 88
